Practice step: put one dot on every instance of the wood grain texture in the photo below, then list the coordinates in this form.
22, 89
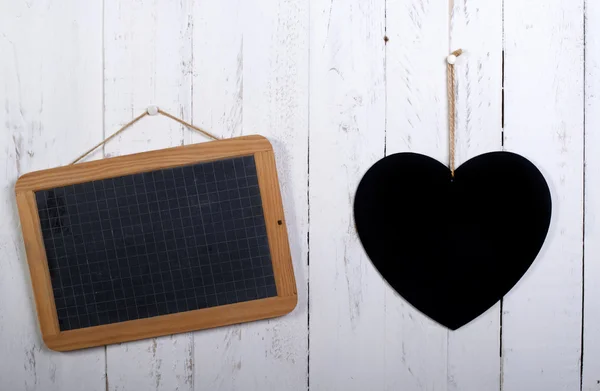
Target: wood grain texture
147, 60
140, 162
276, 225
251, 77
591, 330
51, 93
38, 264
474, 350
541, 325
173, 323
416, 348
347, 122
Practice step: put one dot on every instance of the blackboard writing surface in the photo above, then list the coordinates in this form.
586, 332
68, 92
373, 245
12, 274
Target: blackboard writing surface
156, 243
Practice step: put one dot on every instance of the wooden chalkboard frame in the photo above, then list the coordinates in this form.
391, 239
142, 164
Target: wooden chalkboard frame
283, 303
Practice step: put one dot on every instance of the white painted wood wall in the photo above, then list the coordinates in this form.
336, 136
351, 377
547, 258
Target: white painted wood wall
318, 79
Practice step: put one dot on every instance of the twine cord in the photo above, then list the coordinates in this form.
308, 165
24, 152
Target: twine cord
452, 107
136, 119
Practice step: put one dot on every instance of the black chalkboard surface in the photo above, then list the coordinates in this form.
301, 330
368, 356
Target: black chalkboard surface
156, 243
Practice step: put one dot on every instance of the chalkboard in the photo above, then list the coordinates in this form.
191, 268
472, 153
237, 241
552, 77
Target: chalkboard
156, 243
194, 238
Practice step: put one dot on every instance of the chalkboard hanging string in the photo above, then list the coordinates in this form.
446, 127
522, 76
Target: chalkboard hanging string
152, 110
451, 60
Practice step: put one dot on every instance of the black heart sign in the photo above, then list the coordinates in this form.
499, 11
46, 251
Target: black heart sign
452, 246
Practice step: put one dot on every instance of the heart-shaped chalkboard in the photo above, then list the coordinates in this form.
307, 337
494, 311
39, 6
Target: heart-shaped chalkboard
452, 247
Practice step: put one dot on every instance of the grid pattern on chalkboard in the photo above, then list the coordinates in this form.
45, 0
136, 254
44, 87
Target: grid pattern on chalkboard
156, 243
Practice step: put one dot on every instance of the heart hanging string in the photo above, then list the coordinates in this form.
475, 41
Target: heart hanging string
451, 60
452, 241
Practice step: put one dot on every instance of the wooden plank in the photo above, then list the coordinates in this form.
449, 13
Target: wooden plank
218, 106
275, 104
591, 333
218, 55
543, 91
148, 60
474, 350
251, 76
347, 122
416, 348
51, 73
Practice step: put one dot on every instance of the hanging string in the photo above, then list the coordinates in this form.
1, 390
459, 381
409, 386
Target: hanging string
152, 110
451, 60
